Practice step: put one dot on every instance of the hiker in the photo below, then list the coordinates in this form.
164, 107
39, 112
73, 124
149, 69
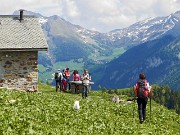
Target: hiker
76, 77
85, 81
67, 75
142, 90
63, 81
58, 78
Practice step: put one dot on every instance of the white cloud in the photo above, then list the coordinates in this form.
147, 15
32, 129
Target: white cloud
46, 7
69, 8
106, 15
102, 15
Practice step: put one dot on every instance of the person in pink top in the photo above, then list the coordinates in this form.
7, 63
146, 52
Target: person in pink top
67, 75
76, 77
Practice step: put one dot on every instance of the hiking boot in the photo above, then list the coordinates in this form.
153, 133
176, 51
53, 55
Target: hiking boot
144, 114
141, 121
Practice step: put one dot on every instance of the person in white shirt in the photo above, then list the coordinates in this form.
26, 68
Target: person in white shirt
85, 81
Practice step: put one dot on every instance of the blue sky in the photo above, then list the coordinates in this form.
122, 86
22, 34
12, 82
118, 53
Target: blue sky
100, 15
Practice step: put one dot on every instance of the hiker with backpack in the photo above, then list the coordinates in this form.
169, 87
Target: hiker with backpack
85, 81
58, 78
142, 90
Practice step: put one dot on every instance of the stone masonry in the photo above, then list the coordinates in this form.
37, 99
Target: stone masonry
19, 70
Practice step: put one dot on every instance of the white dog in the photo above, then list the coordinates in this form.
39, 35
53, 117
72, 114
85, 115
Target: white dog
76, 105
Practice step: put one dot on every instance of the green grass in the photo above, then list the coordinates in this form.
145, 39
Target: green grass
52, 113
41, 68
71, 64
116, 52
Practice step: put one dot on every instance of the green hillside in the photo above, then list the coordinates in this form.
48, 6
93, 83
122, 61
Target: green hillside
52, 113
158, 59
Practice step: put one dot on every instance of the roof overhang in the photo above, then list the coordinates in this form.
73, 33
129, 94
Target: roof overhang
23, 49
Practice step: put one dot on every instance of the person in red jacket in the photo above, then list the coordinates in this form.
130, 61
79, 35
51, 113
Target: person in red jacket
142, 90
64, 81
67, 75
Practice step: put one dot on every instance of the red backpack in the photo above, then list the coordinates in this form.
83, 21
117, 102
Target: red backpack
142, 89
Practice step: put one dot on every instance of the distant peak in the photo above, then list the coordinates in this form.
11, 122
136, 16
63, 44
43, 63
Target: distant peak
55, 17
177, 12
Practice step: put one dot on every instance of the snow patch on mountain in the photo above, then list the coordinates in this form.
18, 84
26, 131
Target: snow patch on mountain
154, 62
42, 20
179, 55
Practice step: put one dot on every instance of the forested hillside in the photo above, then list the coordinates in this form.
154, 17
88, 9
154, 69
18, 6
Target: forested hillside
158, 59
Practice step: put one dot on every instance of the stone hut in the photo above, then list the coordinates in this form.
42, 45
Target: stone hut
21, 37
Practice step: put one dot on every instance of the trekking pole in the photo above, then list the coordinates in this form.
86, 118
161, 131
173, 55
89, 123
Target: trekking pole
150, 107
134, 106
134, 101
150, 102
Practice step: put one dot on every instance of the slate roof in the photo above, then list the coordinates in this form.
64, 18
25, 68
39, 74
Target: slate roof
24, 35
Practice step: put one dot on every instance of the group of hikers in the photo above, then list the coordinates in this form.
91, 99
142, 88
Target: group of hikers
62, 80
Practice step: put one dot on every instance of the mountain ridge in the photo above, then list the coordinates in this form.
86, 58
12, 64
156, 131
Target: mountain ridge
128, 37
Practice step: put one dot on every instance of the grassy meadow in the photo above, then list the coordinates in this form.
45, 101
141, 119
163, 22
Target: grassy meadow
52, 113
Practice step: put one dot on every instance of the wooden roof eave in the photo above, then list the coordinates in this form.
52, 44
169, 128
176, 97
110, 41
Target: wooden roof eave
22, 49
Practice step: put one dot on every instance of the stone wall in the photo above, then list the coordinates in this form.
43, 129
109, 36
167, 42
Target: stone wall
19, 70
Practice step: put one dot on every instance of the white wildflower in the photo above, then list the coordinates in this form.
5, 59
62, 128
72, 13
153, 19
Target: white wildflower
12, 101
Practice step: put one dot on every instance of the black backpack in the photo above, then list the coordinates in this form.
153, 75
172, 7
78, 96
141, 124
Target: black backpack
142, 89
56, 76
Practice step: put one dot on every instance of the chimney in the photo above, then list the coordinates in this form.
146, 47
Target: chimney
21, 14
